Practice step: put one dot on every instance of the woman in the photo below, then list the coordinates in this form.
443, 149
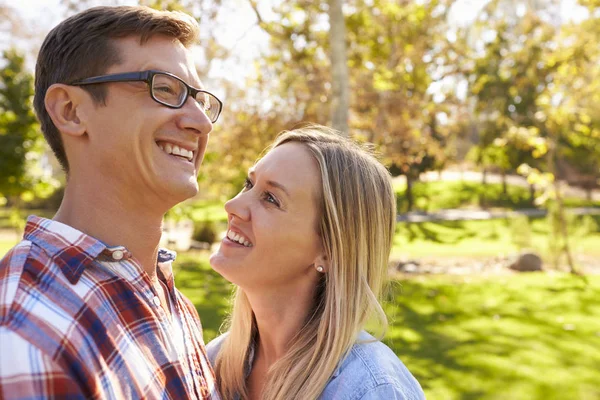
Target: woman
307, 245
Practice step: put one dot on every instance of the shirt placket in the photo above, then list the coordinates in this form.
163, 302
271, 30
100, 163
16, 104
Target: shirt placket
193, 353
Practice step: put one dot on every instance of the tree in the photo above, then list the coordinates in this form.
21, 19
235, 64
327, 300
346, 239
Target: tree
505, 82
395, 53
20, 137
398, 52
535, 88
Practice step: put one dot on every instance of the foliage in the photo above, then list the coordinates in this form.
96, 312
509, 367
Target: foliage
292, 83
205, 231
434, 196
535, 89
20, 137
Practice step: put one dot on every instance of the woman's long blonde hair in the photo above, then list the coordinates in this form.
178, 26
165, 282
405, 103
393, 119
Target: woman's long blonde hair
358, 215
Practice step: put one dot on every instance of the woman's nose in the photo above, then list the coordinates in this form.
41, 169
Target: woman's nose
238, 207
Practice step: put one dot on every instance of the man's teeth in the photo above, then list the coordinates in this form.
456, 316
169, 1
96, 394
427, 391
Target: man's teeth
238, 238
176, 150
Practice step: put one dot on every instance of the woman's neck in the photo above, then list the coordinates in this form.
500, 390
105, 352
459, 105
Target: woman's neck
280, 315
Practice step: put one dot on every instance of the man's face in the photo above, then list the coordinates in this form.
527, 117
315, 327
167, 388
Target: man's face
131, 136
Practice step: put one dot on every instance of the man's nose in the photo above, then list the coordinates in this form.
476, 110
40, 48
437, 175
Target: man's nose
193, 118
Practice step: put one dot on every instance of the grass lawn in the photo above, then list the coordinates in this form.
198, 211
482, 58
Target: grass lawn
490, 237
532, 336
512, 337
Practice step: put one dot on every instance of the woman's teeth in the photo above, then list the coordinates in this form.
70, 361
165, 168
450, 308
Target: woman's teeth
176, 150
238, 238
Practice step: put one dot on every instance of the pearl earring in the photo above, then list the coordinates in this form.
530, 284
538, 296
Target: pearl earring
320, 268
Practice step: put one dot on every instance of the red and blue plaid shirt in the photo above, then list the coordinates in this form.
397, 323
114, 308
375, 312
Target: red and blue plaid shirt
81, 320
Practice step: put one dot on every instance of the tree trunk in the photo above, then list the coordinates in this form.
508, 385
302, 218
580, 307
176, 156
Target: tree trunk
560, 209
482, 200
409, 193
504, 185
340, 100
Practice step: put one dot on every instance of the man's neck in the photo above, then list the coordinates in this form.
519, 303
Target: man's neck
115, 219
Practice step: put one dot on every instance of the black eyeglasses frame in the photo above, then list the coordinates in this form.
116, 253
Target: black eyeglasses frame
148, 76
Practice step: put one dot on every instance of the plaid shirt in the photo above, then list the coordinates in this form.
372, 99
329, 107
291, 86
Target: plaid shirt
81, 320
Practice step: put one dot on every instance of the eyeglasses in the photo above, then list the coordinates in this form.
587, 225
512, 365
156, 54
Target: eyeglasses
165, 88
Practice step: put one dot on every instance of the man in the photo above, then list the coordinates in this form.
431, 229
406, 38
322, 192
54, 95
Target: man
87, 303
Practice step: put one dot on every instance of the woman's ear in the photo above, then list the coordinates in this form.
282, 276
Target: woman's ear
322, 265
63, 104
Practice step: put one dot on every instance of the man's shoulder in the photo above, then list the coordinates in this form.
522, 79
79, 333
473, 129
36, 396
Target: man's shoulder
369, 367
37, 301
31, 320
12, 268
16, 257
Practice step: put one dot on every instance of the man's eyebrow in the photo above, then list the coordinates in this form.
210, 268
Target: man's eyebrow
190, 79
271, 183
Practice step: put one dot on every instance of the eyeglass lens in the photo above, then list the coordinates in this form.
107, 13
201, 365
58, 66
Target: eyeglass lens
168, 90
173, 92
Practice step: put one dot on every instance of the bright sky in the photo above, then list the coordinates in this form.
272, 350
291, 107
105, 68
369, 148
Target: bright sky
240, 31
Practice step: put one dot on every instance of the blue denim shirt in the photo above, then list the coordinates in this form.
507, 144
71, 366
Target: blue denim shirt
371, 371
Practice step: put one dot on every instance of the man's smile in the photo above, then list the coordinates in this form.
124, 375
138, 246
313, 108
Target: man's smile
175, 150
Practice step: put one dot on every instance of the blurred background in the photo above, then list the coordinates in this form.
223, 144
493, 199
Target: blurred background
487, 114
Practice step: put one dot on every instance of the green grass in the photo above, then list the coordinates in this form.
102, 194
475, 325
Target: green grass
209, 292
530, 336
490, 237
514, 337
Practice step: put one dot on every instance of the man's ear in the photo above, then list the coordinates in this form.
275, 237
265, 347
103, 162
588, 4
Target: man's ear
64, 103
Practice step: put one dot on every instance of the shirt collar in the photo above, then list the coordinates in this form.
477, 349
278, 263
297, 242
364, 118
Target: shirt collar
69, 248
73, 250
362, 337
164, 267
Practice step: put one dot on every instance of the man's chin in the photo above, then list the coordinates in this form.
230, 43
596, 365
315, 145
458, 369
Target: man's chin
181, 193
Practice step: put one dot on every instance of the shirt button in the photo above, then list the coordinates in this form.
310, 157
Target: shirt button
117, 255
156, 301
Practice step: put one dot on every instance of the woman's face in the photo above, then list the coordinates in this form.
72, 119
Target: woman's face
272, 240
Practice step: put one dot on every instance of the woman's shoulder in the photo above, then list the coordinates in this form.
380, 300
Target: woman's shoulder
213, 347
372, 371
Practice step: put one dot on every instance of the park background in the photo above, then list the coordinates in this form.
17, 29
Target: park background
487, 113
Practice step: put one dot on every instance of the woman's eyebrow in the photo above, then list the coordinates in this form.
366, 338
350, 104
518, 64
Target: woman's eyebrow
278, 185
